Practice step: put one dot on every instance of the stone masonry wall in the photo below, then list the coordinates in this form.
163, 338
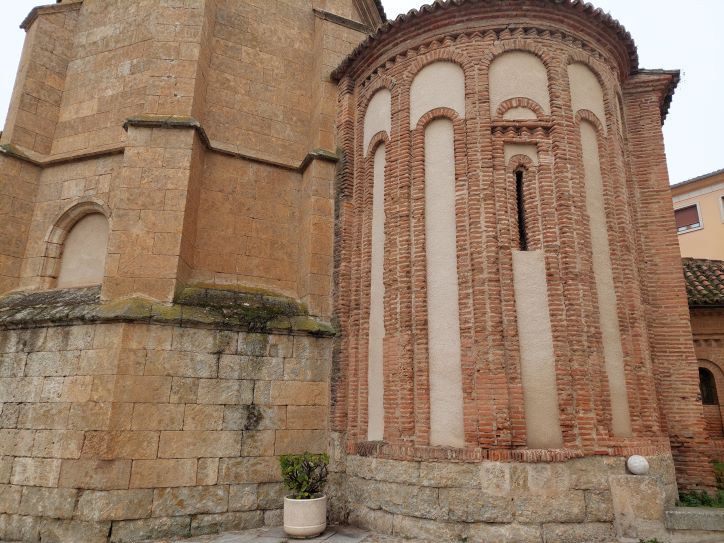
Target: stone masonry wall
124, 432
588, 499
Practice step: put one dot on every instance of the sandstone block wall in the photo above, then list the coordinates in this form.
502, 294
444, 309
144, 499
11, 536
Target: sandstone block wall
136, 431
588, 499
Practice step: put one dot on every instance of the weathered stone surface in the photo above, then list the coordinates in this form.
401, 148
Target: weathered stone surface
58, 443
274, 517
226, 522
396, 498
242, 497
271, 495
427, 529
439, 474
19, 528
300, 441
383, 470
6, 468
163, 473
599, 506
114, 505
249, 470
65, 531
511, 533
95, 474
130, 531
36, 471
264, 368
496, 478
593, 532
592, 473
199, 444
253, 417
168, 502
548, 479
10, 498
370, 519
48, 502
636, 497
258, 443
565, 507
149, 416
473, 505
203, 417
208, 471
306, 417
695, 518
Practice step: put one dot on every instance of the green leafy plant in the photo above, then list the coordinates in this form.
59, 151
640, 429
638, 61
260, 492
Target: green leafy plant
701, 498
719, 472
304, 474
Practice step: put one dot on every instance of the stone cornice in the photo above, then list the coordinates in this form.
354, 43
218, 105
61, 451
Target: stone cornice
43, 10
167, 122
194, 307
342, 21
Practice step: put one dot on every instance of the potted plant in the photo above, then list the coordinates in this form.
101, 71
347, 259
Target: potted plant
305, 509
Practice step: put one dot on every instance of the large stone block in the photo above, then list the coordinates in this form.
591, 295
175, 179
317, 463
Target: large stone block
10, 498
19, 528
271, 495
394, 471
591, 532
16, 442
507, 533
114, 505
429, 530
198, 444
264, 368
155, 416
258, 443
599, 506
181, 364
58, 443
254, 417
226, 522
374, 520
117, 445
569, 506
225, 391
95, 474
169, 502
298, 393
440, 474
67, 531
207, 472
306, 417
203, 417
48, 502
130, 531
242, 497
300, 441
421, 502
163, 473
249, 470
474, 505
36, 472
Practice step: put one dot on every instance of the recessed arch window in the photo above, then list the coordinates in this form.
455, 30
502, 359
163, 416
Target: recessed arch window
707, 387
83, 256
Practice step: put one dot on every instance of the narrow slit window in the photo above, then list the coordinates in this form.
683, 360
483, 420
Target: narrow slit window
522, 235
707, 387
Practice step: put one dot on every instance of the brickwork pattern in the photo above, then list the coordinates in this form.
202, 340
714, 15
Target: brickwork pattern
144, 431
487, 231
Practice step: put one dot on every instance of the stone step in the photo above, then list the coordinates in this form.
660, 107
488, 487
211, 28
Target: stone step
695, 518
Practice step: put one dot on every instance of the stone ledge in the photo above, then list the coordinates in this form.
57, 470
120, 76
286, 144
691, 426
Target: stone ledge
255, 311
695, 518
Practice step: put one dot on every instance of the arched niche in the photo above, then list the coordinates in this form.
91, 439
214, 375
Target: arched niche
518, 74
437, 85
378, 117
83, 255
586, 91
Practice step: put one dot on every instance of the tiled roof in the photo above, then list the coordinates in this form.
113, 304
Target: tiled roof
412, 15
704, 282
697, 178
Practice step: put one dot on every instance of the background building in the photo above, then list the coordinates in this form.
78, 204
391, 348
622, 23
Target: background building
699, 210
441, 249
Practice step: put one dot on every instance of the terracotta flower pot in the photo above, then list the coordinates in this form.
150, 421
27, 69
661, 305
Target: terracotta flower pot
305, 518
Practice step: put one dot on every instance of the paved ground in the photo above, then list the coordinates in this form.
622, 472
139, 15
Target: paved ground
334, 534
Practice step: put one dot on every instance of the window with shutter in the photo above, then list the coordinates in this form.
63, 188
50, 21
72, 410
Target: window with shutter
687, 218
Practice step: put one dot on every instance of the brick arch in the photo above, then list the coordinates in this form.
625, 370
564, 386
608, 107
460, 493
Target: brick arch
376, 84
522, 44
56, 236
519, 161
438, 113
446, 53
378, 139
591, 117
520, 101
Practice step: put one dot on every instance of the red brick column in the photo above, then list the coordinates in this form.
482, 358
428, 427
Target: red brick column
674, 362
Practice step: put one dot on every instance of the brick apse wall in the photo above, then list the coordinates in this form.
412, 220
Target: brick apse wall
231, 320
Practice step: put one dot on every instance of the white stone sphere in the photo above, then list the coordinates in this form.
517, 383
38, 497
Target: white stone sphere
637, 465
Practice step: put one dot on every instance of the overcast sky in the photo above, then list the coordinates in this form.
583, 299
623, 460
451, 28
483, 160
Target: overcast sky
669, 34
